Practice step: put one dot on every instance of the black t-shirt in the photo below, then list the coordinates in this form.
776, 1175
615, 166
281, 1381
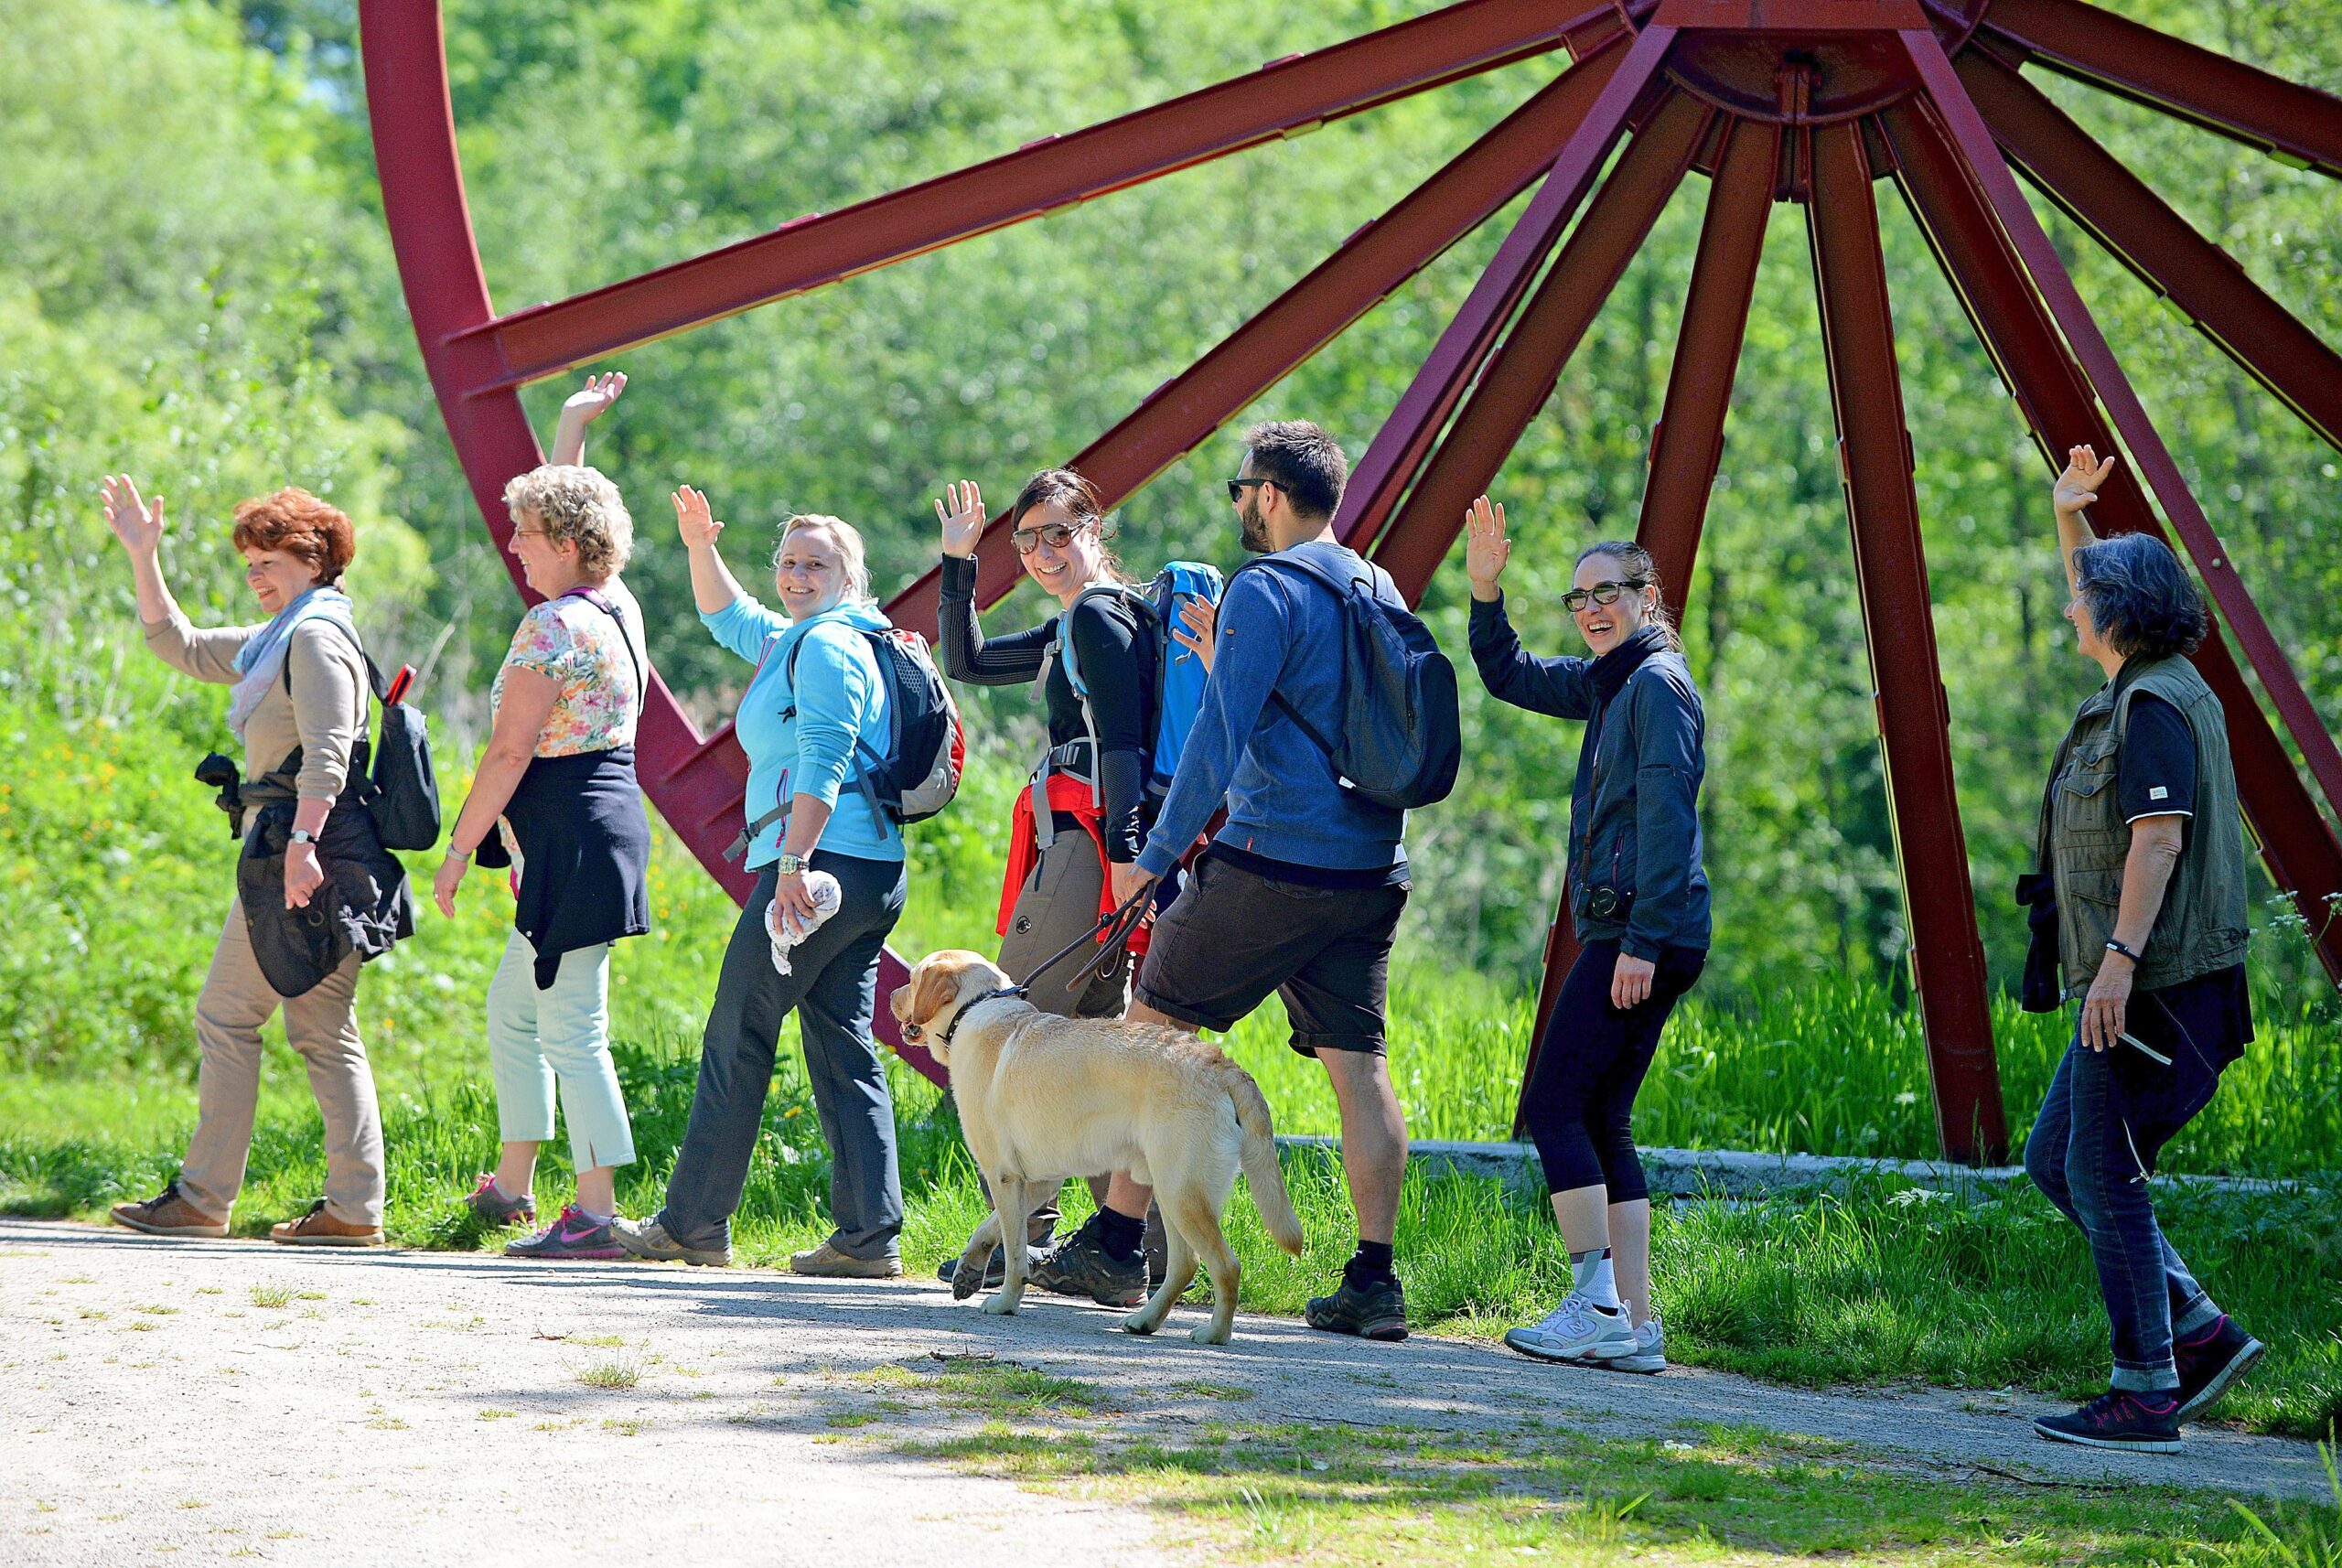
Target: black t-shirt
2157, 774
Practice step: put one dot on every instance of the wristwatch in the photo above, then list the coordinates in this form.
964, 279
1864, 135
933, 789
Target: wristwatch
790, 864
2123, 948
302, 835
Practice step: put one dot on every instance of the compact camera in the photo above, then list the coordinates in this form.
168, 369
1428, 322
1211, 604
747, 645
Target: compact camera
1609, 903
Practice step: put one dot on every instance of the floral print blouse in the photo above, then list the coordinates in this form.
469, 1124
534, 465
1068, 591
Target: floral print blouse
578, 644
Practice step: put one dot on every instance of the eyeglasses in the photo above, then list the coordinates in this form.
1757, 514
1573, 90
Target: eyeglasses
1601, 593
1056, 535
1236, 488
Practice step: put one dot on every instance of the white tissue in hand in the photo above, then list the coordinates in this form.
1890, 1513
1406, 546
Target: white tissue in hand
787, 929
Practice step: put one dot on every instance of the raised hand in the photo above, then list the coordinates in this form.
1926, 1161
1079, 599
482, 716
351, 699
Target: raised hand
138, 523
1487, 550
694, 521
592, 401
961, 513
2078, 487
1198, 620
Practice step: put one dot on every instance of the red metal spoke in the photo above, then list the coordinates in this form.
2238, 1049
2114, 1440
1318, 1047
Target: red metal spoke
2298, 123
1366, 268
1283, 98
2169, 257
2299, 848
2299, 715
1875, 456
1689, 441
1520, 374
1400, 447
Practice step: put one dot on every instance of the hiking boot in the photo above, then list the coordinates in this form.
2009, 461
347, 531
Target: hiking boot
826, 1262
1377, 1311
648, 1239
1080, 1265
495, 1209
1577, 1330
167, 1213
577, 1234
996, 1271
2211, 1363
319, 1227
1650, 1354
2120, 1418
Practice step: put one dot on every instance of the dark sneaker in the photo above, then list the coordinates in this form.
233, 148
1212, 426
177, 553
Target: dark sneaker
1377, 1312
995, 1273
167, 1213
2210, 1366
2119, 1418
495, 1209
577, 1234
648, 1239
1080, 1266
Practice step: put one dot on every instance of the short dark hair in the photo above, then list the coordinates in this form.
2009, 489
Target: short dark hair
1302, 461
2139, 597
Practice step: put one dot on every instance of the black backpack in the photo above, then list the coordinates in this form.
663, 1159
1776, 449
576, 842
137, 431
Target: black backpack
403, 788
1401, 735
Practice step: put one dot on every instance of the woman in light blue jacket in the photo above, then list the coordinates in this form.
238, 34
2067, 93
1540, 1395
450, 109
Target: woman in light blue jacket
818, 695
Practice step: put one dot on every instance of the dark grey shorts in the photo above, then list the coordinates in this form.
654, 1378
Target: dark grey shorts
1233, 937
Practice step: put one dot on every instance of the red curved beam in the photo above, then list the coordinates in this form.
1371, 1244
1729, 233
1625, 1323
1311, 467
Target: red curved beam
1285, 98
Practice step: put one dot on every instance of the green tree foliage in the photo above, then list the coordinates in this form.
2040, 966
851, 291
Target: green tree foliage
217, 306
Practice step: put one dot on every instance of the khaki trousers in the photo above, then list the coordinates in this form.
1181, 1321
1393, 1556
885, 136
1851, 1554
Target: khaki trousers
322, 1026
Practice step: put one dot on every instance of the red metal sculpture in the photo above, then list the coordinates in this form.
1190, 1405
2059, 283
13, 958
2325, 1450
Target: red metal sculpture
1804, 101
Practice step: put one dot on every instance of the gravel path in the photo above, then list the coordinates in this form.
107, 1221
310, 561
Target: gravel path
217, 1400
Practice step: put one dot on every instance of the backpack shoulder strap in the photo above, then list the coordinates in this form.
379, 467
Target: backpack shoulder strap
641, 687
373, 676
1317, 574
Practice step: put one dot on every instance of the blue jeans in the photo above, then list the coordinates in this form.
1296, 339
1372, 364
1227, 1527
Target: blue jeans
833, 987
2106, 1117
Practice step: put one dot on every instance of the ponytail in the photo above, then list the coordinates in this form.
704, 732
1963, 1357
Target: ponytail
1639, 565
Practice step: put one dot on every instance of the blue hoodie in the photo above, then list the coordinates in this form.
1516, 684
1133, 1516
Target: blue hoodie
841, 701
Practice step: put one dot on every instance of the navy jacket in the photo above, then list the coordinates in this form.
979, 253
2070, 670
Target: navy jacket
1634, 809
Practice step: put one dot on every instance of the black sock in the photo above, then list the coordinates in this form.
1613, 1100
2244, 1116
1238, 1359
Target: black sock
1120, 1234
1370, 1264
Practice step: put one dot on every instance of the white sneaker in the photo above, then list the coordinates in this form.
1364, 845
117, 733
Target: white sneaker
1577, 1330
1650, 1354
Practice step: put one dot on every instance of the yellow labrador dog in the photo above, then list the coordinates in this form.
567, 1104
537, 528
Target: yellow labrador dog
1043, 1098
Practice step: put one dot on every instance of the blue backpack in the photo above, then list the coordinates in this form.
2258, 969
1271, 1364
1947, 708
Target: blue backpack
1179, 674
1401, 735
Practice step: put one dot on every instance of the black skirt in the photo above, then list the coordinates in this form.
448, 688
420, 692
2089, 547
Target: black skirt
584, 854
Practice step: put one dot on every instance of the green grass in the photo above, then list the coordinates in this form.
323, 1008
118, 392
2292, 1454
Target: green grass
1339, 1495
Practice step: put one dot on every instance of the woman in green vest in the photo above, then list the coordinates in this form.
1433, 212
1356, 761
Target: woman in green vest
2142, 850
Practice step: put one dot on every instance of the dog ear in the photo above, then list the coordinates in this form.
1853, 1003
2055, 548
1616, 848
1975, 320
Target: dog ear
933, 988
898, 1002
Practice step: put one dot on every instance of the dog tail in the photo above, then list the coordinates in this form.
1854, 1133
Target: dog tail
1258, 1157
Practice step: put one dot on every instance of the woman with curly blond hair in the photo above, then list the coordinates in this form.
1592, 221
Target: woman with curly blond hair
316, 893
556, 799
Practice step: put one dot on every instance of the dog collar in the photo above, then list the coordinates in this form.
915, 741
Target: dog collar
953, 1027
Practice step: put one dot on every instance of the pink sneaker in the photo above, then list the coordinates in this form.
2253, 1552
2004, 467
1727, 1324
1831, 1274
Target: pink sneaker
487, 1201
577, 1234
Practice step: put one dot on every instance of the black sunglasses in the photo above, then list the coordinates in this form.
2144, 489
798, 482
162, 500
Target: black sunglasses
1236, 488
1601, 593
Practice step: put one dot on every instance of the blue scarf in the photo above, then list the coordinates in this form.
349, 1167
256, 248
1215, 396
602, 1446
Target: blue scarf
262, 654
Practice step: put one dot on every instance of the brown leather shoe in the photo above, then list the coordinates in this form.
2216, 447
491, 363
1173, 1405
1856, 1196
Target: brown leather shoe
167, 1214
319, 1228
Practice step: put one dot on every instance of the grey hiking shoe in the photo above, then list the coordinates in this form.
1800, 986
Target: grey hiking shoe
995, 1272
825, 1262
1577, 1330
487, 1201
1080, 1266
648, 1239
1650, 1354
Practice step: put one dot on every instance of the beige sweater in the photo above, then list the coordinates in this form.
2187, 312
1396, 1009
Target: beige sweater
324, 715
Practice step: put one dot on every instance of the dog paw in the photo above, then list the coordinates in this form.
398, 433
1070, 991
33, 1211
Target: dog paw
1209, 1334
966, 1282
1000, 1303
1139, 1322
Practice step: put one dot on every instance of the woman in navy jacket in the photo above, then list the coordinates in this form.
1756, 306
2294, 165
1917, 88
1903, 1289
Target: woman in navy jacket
1639, 901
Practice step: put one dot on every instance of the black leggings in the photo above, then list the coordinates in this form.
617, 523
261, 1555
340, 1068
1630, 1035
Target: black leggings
1581, 1101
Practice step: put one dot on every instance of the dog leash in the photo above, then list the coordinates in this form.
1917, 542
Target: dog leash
1117, 928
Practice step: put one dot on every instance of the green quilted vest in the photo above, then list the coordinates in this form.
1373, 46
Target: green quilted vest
2084, 840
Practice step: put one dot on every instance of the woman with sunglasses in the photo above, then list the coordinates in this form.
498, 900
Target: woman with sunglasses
1086, 809
1639, 901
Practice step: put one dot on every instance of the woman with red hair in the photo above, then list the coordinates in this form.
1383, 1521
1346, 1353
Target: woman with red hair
316, 893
